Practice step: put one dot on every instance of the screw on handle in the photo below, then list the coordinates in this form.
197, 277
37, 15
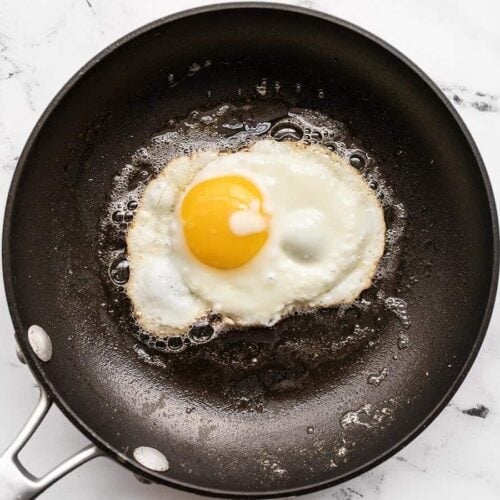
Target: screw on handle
16, 483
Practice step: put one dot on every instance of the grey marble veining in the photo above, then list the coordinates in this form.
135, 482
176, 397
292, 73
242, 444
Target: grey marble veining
42, 44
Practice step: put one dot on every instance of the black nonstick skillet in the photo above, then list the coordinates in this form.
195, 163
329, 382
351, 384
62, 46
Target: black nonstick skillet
208, 419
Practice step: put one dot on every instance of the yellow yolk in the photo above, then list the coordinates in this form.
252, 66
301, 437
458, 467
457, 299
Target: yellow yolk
206, 212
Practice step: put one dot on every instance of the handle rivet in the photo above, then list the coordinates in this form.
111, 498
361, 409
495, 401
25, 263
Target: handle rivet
151, 458
40, 342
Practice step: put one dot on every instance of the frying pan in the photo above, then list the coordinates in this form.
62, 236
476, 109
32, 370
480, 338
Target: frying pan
204, 420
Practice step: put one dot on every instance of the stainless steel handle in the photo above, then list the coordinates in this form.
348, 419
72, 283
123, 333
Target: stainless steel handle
16, 483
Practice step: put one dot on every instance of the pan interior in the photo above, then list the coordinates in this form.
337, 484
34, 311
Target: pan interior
319, 395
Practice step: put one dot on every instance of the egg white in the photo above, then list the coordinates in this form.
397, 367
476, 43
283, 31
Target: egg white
326, 237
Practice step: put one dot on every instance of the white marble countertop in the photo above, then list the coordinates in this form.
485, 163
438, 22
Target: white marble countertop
456, 42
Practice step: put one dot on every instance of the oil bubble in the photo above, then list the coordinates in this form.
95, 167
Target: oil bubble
175, 343
357, 161
316, 136
160, 345
288, 131
119, 271
117, 216
200, 334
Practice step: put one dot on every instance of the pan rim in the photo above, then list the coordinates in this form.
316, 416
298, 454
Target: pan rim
35, 365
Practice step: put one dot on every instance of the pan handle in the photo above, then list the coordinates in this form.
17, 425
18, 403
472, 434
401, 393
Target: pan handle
16, 483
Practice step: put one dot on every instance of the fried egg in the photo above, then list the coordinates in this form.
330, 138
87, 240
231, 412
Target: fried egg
251, 236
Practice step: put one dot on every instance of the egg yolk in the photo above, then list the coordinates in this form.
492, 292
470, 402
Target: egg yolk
209, 212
